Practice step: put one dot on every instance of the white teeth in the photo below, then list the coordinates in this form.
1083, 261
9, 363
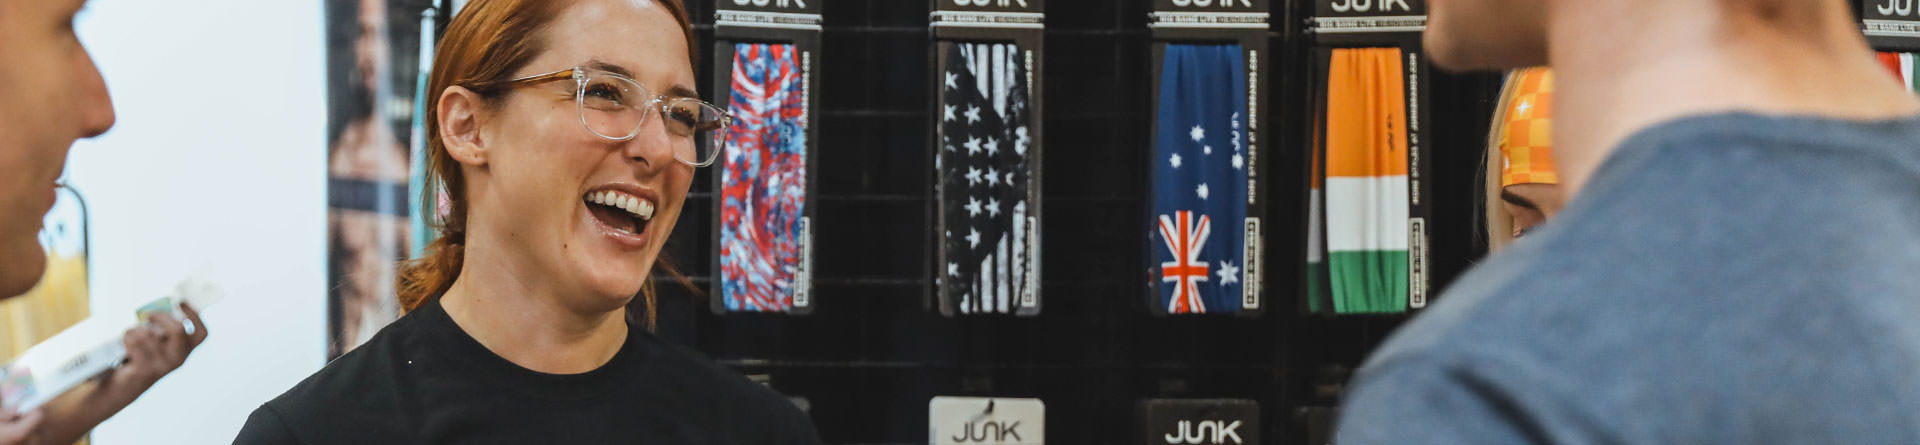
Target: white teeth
634, 205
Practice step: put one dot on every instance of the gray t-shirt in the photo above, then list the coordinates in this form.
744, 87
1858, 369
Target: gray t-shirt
1732, 278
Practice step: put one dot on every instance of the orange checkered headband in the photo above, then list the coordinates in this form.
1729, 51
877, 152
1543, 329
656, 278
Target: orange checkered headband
1526, 131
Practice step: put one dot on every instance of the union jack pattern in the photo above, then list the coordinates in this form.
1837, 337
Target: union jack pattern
1185, 238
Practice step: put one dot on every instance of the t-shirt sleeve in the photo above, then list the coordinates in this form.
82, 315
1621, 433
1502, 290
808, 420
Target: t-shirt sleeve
800, 430
265, 427
1424, 401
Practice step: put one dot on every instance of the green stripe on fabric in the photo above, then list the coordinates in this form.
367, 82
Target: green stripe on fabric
1913, 77
1368, 282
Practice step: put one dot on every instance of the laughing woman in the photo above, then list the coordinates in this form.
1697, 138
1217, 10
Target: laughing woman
567, 134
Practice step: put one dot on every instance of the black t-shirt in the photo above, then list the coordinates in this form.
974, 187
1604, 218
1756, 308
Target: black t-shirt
424, 380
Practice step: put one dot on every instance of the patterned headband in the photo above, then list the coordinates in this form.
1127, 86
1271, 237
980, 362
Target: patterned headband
1526, 135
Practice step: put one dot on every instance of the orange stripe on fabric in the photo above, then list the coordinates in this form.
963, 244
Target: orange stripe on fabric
1366, 113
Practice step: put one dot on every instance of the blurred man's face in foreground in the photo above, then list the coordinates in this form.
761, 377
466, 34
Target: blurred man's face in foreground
1486, 34
50, 96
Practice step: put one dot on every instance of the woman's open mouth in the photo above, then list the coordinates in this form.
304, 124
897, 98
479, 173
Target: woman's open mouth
623, 215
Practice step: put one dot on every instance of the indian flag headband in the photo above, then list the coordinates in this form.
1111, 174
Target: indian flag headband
1526, 132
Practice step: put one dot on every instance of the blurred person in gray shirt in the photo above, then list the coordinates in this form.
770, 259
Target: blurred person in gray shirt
1738, 260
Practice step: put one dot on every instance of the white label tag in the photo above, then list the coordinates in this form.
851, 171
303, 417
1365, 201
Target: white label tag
1250, 282
976, 420
803, 277
1030, 291
1417, 263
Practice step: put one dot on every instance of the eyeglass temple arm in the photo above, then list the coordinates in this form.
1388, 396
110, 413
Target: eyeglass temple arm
529, 80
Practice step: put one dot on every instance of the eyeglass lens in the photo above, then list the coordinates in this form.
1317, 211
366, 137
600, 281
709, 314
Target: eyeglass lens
615, 108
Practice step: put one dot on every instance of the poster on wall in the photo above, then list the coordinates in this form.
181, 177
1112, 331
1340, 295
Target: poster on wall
373, 50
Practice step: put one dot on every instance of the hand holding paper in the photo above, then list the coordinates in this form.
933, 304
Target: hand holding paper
158, 347
148, 350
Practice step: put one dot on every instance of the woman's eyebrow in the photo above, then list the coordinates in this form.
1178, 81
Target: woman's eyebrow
675, 91
608, 67
682, 91
1514, 199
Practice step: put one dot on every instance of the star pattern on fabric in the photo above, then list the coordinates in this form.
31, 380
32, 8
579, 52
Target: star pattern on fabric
1020, 145
1229, 273
987, 240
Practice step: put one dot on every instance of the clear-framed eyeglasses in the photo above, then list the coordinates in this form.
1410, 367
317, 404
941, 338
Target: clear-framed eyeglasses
614, 107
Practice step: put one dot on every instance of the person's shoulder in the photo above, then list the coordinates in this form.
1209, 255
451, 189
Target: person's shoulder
266, 426
360, 378
695, 370
1487, 308
1489, 360
1466, 396
1784, 149
701, 380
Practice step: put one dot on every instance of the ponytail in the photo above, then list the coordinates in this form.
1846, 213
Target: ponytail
432, 273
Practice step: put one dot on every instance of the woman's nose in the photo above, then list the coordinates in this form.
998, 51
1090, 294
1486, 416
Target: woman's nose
652, 144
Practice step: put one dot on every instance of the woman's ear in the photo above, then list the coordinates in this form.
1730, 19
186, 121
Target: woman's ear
460, 125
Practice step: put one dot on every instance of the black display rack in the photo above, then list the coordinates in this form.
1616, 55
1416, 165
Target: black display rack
876, 349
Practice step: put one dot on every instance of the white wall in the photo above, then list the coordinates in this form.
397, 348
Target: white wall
217, 163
